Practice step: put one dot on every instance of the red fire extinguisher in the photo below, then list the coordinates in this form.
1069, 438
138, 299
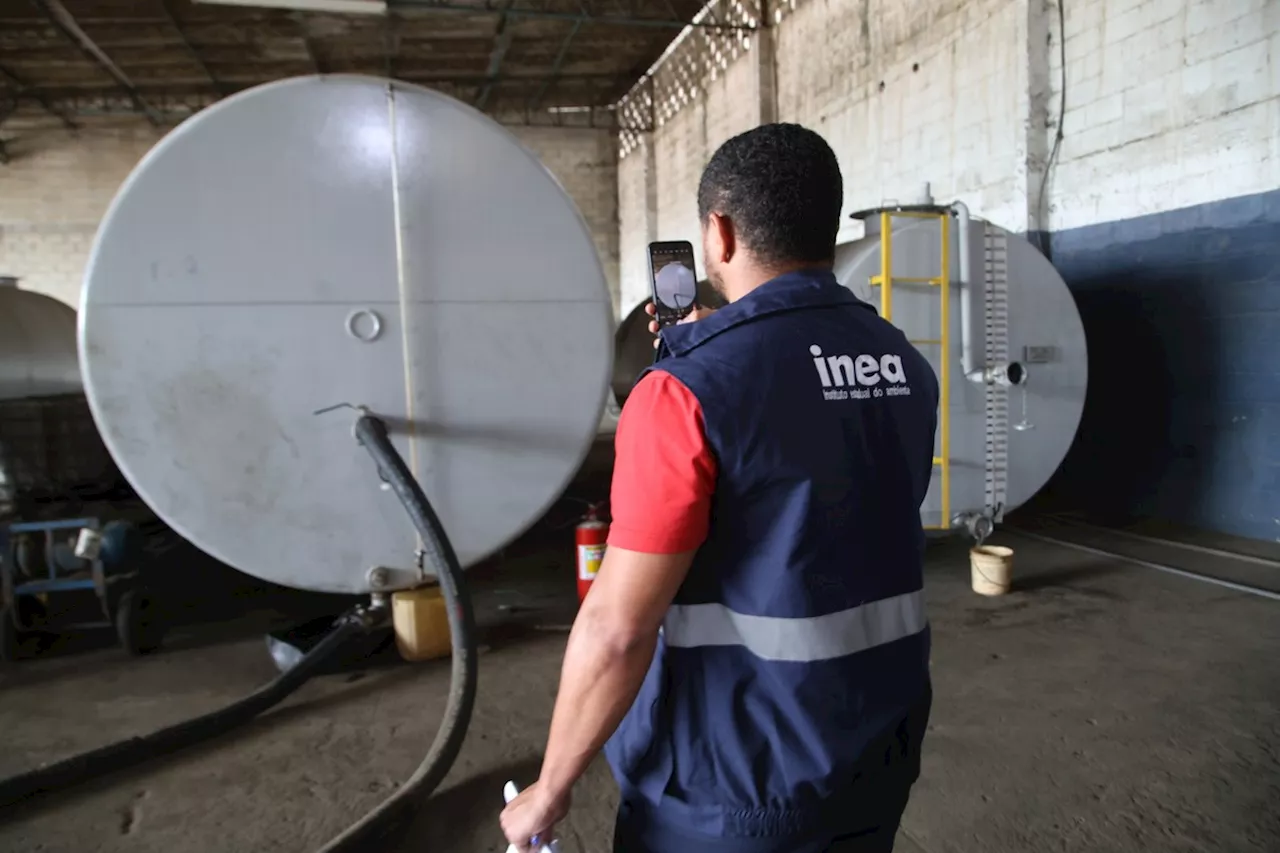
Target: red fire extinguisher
591, 534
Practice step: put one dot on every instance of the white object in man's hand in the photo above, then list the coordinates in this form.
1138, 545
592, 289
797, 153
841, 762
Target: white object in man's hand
529, 819
698, 313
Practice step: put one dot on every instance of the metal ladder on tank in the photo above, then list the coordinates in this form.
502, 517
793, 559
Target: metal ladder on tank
886, 281
996, 396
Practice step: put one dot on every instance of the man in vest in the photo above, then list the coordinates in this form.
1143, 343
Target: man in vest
755, 648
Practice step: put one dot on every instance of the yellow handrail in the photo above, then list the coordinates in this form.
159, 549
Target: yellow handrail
885, 281
886, 266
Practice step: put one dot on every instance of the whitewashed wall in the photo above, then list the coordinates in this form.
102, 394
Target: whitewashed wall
1169, 103
908, 92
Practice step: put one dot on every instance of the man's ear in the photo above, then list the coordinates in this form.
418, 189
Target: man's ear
723, 238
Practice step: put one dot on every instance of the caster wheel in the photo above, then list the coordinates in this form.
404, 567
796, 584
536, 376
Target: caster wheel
10, 640
136, 623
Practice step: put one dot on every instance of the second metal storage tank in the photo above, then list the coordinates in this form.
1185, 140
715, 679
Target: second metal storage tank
1016, 366
37, 344
1002, 331
633, 345
50, 449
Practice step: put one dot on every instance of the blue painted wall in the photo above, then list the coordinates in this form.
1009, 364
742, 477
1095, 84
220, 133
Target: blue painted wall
1182, 315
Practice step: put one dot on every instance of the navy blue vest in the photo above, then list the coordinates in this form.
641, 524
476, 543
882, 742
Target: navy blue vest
800, 633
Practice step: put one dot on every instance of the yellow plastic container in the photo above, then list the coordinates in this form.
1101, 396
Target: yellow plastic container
421, 624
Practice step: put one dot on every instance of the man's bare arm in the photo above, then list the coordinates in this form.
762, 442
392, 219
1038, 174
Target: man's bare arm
610, 649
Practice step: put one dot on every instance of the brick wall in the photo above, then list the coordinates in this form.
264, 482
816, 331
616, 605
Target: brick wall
637, 223
658, 182
1162, 200
911, 92
58, 186
586, 164
1180, 309
1169, 104
879, 79
1166, 225
53, 193
683, 145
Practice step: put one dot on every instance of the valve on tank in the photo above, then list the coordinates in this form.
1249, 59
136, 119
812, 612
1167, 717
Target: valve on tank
979, 525
1008, 374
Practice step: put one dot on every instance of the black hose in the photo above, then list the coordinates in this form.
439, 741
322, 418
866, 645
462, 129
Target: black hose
134, 751
372, 433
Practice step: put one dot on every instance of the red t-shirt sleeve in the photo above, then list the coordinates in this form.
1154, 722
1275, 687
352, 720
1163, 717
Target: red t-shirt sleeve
664, 473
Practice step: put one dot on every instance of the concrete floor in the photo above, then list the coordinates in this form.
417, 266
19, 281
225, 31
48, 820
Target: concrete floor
1100, 707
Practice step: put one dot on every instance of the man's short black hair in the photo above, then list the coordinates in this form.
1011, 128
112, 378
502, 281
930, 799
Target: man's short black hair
780, 185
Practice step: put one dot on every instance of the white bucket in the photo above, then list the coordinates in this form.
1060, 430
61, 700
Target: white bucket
991, 569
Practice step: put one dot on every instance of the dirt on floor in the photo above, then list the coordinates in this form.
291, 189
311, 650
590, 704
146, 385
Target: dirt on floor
1099, 707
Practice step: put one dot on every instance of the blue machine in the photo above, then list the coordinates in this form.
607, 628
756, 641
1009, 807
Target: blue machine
46, 584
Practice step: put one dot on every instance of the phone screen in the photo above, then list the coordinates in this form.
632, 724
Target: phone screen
675, 283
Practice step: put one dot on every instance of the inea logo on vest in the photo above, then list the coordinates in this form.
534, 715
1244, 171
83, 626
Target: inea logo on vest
863, 373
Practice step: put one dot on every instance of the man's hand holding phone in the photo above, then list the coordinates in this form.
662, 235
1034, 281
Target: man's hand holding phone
698, 313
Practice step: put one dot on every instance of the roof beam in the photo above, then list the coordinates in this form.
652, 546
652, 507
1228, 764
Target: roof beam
390, 46
554, 77
501, 44
189, 47
25, 89
118, 103
316, 64
74, 98
453, 7
64, 21
59, 92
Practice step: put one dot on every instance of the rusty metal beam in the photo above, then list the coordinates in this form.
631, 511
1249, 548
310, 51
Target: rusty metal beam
451, 7
316, 64
390, 46
60, 93
554, 77
180, 101
480, 79
502, 37
189, 47
180, 106
26, 90
66, 23
5, 112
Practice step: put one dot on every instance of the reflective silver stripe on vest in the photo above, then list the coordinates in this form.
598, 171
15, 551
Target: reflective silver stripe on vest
801, 639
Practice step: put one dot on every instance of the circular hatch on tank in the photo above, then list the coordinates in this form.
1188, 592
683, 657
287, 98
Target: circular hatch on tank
343, 240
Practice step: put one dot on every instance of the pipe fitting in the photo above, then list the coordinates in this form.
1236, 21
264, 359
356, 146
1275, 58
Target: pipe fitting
978, 525
968, 291
1009, 374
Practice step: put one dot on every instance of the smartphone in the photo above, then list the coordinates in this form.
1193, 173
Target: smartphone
673, 280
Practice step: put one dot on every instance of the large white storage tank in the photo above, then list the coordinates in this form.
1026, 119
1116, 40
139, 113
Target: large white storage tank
633, 343
322, 243
50, 449
1016, 369
37, 344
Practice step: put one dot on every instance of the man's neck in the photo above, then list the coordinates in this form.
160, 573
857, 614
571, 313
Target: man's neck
758, 276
